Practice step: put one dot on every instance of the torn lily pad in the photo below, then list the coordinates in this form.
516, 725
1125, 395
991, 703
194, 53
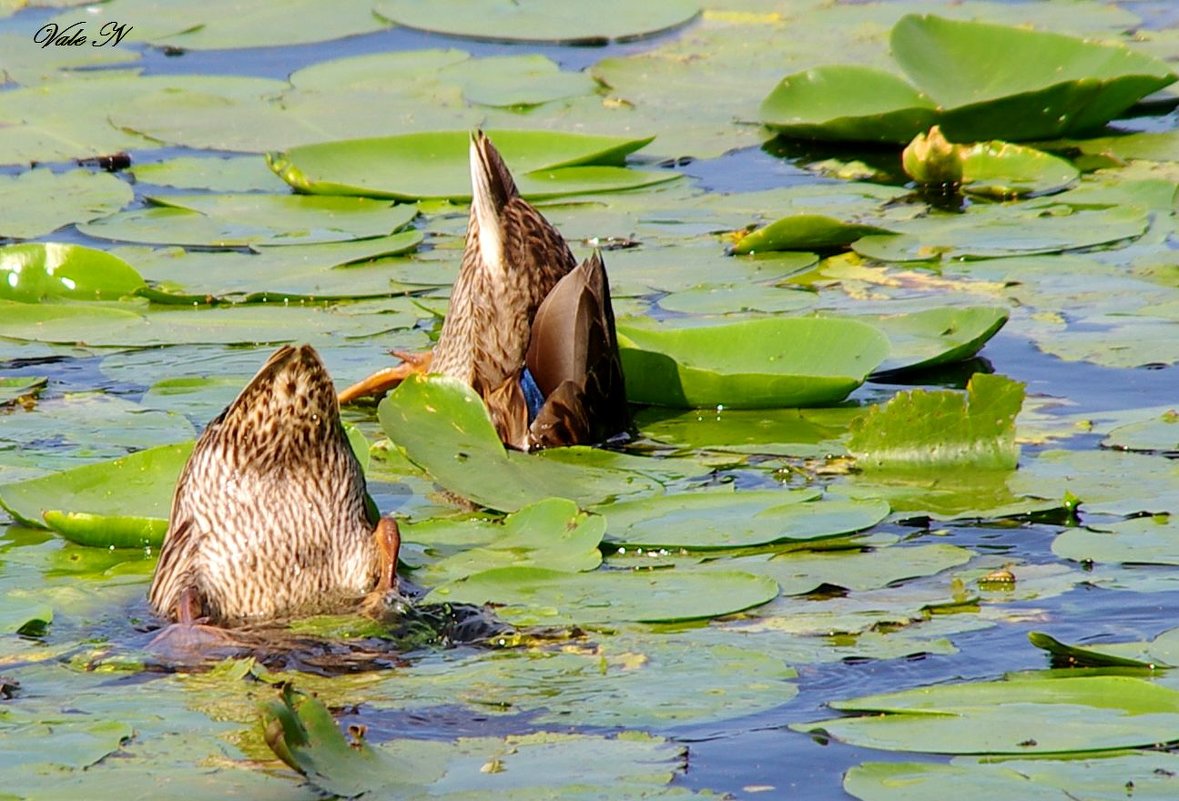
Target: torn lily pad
759, 363
938, 428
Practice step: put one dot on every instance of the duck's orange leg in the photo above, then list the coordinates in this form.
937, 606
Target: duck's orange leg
382, 381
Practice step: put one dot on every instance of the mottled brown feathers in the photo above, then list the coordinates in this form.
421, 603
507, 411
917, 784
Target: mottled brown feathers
514, 262
268, 518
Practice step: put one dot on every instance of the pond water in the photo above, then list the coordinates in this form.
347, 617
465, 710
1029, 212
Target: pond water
1092, 336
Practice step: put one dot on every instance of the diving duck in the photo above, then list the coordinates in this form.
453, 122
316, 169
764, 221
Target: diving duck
529, 329
270, 517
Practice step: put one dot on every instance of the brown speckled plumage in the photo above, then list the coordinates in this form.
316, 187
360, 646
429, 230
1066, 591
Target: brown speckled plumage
514, 262
268, 518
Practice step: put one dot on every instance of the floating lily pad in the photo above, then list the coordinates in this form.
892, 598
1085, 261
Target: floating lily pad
435, 165
215, 173
977, 80
301, 732
108, 531
1162, 652
988, 232
224, 24
788, 432
532, 596
612, 684
443, 426
360, 269
848, 102
13, 389
749, 364
558, 21
934, 337
139, 485
804, 232
1158, 435
1021, 716
1005, 170
237, 220
551, 534
1140, 540
938, 428
38, 202
1149, 775
749, 298
36, 272
719, 520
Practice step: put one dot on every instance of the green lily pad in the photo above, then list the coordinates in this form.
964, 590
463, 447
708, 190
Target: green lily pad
848, 102
214, 173
108, 531
629, 679
558, 21
720, 520
997, 89
224, 24
551, 534
786, 432
38, 202
435, 165
804, 232
977, 80
532, 596
1162, 652
442, 426
1140, 540
988, 232
1023, 715
332, 270
1157, 435
1146, 776
1005, 170
938, 336
36, 272
937, 428
139, 486
750, 364
303, 734
15, 388
116, 326
237, 220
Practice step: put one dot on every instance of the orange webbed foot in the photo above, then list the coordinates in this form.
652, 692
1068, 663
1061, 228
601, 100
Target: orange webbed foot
384, 380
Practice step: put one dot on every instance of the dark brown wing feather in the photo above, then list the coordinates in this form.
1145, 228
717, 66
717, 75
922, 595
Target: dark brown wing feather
573, 357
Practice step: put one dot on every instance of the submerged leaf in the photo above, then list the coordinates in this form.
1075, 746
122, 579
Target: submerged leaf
936, 428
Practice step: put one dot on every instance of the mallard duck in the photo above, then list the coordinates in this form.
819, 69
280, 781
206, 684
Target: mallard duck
529, 329
270, 517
